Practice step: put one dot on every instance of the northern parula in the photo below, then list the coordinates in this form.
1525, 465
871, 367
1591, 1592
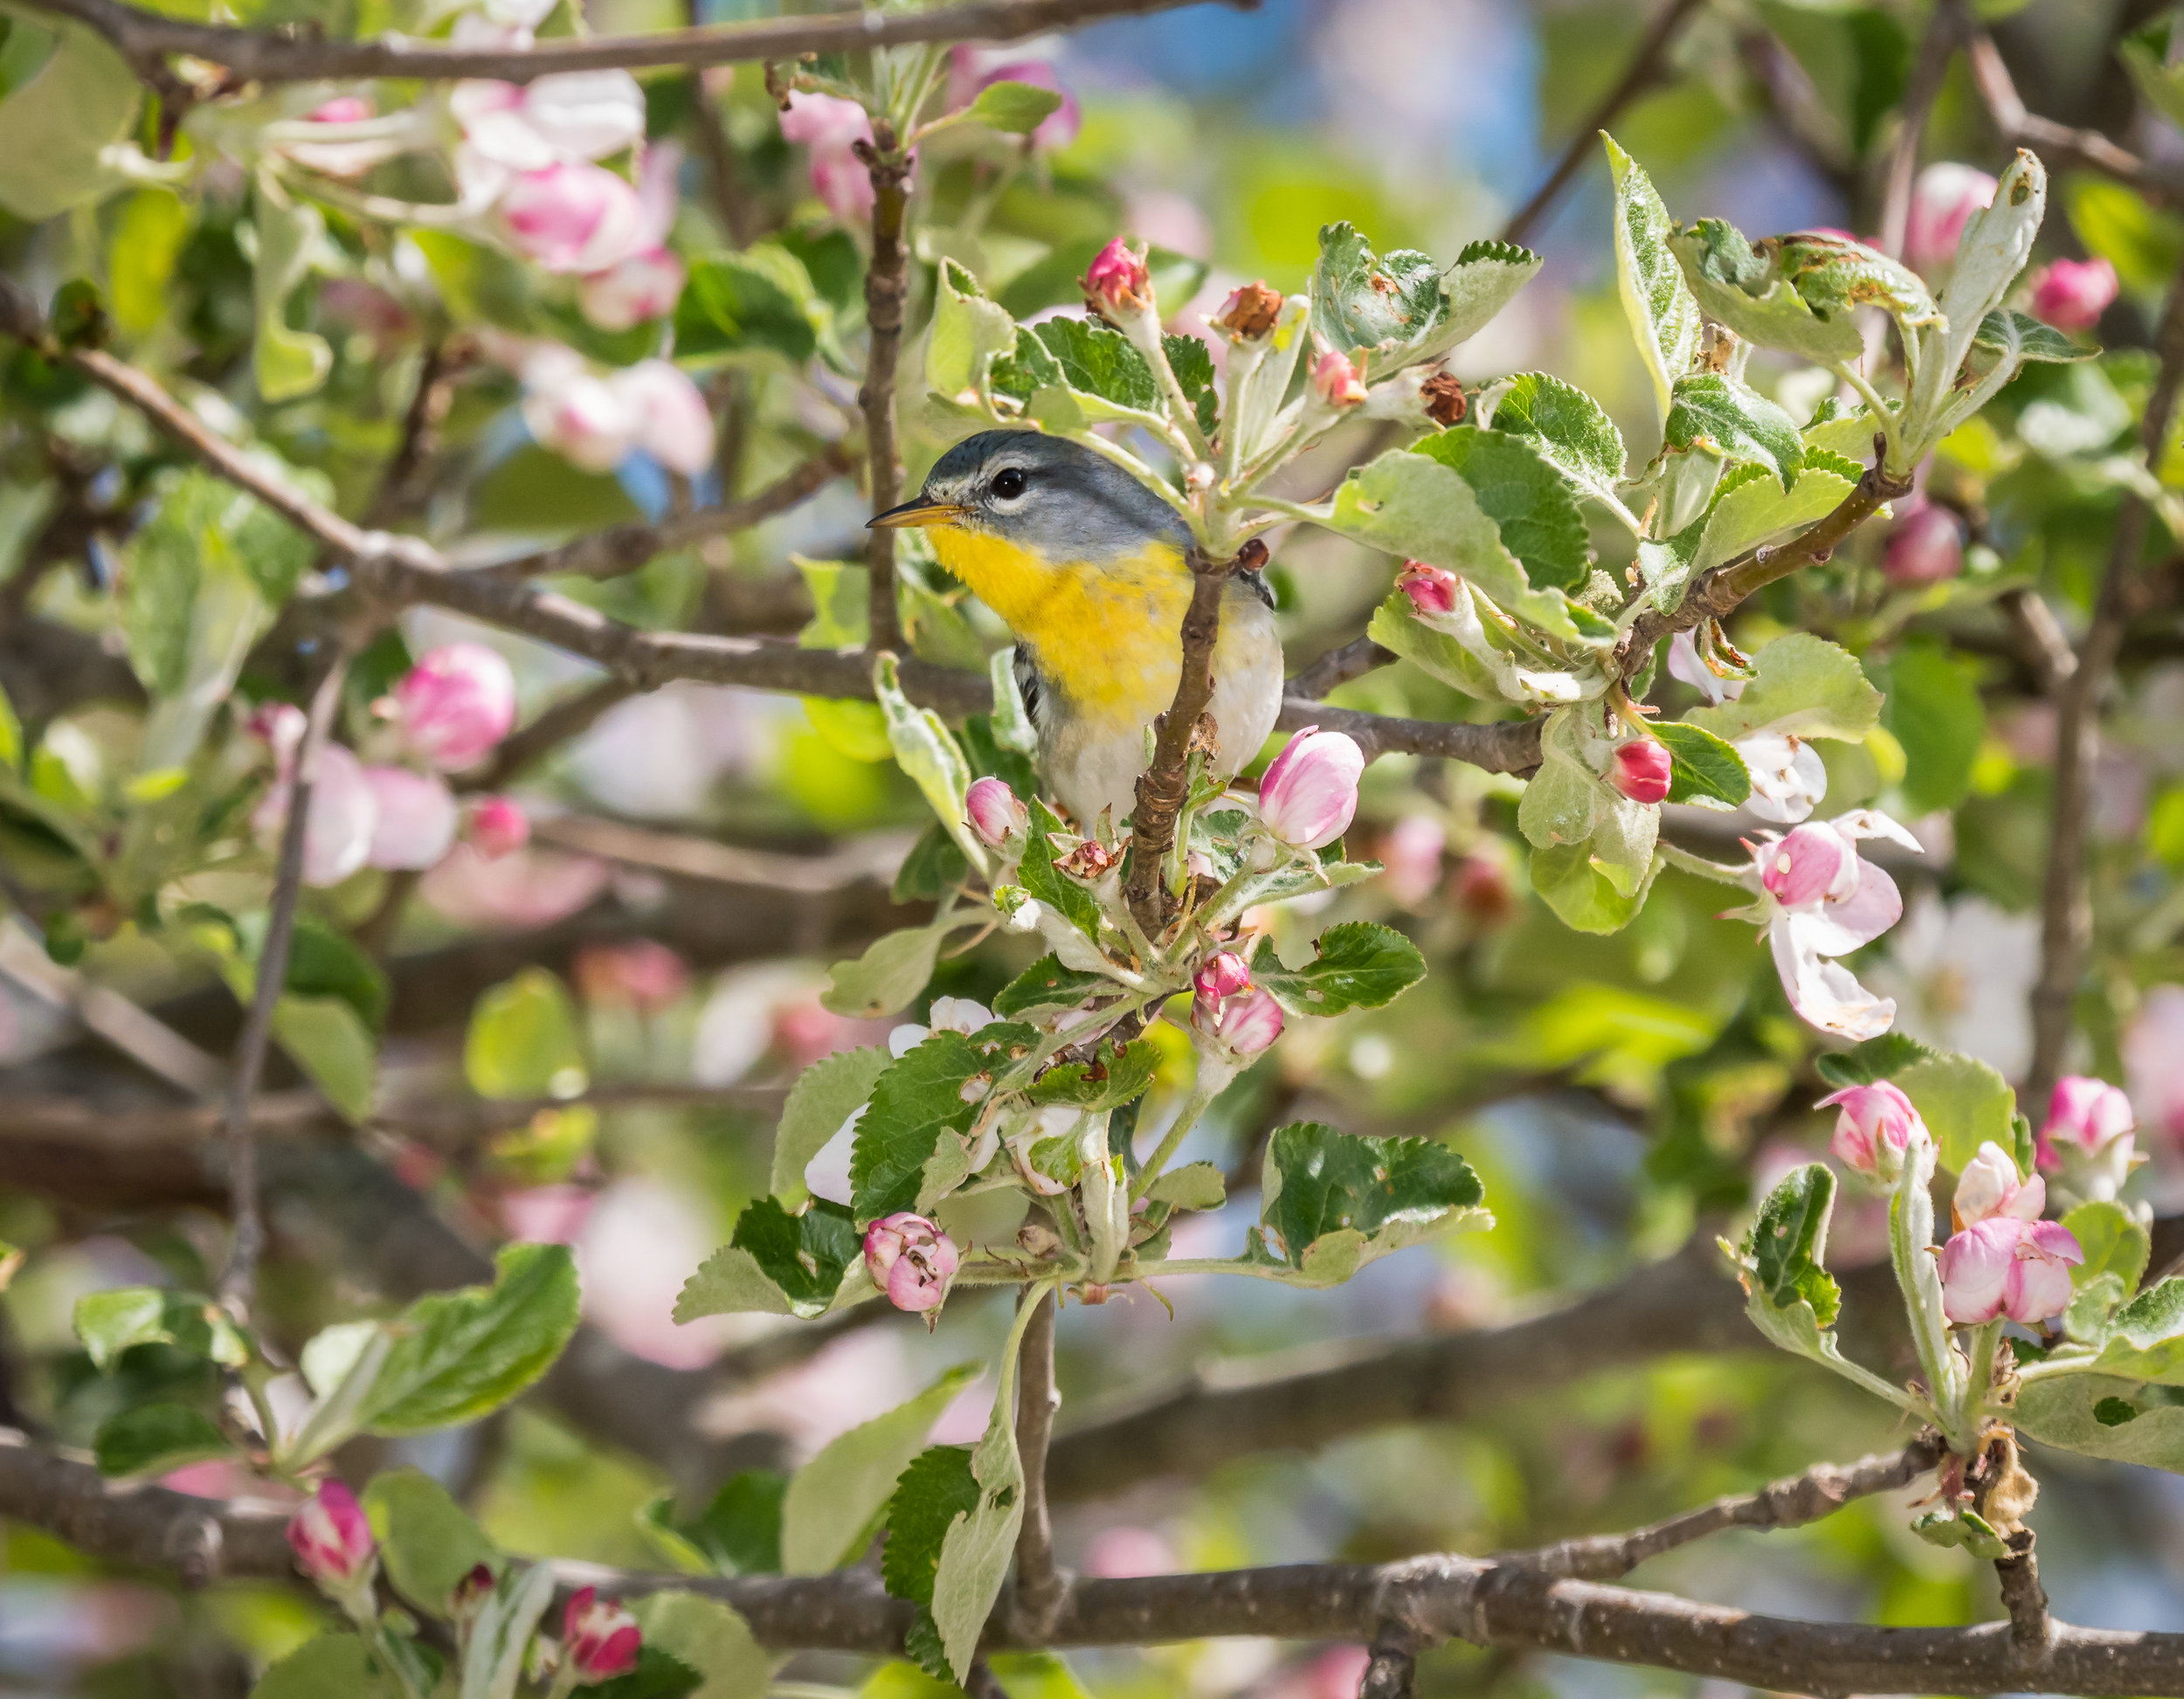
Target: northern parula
1088, 568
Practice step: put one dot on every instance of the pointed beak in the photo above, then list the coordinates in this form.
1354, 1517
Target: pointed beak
920, 511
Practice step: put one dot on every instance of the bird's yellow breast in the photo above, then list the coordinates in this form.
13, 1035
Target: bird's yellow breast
1103, 635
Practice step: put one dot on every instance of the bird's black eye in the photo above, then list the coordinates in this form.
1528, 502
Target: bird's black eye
1008, 483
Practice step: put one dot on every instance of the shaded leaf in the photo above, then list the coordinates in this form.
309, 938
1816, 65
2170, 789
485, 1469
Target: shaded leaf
1383, 1194
1528, 500
826, 1095
775, 1263
459, 1355
153, 1439
1359, 964
1703, 768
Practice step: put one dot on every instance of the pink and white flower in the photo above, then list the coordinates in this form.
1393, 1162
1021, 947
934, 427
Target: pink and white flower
1337, 380
1433, 589
970, 75
343, 811
416, 818
1787, 777
455, 705
353, 155
332, 1541
1310, 793
1240, 1026
572, 215
2090, 1138
831, 129
1412, 854
995, 813
1873, 1127
1991, 1186
2072, 294
910, 1260
1944, 198
1686, 663
641, 286
672, 421
2153, 1059
510, 128
2003, 1265
1819, 899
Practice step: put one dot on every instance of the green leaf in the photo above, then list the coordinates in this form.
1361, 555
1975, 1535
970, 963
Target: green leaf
522, 1040
927, 751
323, 1036
1746, 290
916, 1102
1361, 301
739, 1530
777, 1263
2144, 54
459, 1355
1013, 107
1575, 884
1038, 875
758, 301
1964, 1103
836, 1498
11, 735
826, 1095
1787, 1246
1192, 364
1564, 800
337, 1664
1961, 1527
1803, 687
2113, 1242
932, 1493
1046, 987
288, 364
968, 331
1396, 625
2105, 1415
429, 1543
1933, 709
1702, 768
709, 1637
975, 1552
887, 978
1528, 500
1197, 1185
324, 962
2019, 336
1353, 1199
1664, 319
110, 1322
1098, 364
57, 125
1120, 1074
1484, 279
152, 1439
2143, 1340
1570, 430
659, 1675
1875, 1060
1717, 415
933, 865
1359, 964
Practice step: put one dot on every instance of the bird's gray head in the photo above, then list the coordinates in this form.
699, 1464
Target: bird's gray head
1043, 494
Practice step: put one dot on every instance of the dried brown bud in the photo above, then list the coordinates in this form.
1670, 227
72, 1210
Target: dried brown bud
1089, 861
1249, 311
1444, 399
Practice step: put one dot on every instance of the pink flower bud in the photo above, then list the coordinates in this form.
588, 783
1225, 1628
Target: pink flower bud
2038, 1283
1482, 891
2083, 1112
2072, 294
641, 286
1223, 975
498, 826
910, 1260
1875, 1124
343, 159
1412, 854
455, 704
598, 1637
1433, 589
641, 974
1250, 1023
1975, 1269
1925, 548
1337, 381
832, 128
1990, 1188
331, 1538
344, 812
471, 1594
670, 420
416, 821
1640, 769
1309, 792
1117, 281
996, 815
1943, 200
584, 417
1806, 866
572, 215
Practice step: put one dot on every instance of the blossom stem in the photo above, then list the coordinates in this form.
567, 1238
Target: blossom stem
1685, 861
1212, 1077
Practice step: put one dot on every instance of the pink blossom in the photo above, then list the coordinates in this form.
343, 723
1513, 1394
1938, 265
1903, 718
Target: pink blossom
910, 1260
344, 812
416, 819
455, 704
1412, 854
639, 287
2153, 1059
498, 826
2085, 1112
1337, 380
1222, 975
1117, 281
343, 159
600, 1638
2072, 294
1433, 589
1926, 547
672, 422
2039, 1284
1240, 1026
572, 215
1990, 1187
1874, 1126
586, 418
1975, 1268
572, 115
524, 890
641, 974
1686, 663
1821, 899
996, 815
1310, 793
831, 129
1640, 769
1943, 200
332, 1540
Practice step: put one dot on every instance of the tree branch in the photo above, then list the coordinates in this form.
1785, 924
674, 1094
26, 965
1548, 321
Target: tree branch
1944, 28
266, 56
1643, 70
887, 290
1339, 666
2066, 914
1041, 1587
2059, 144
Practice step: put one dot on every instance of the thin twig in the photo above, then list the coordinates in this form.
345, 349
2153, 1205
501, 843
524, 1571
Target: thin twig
887, 293
2060, 145
2041, 638
237, 1278
1935, 49
2066, 914
1337, 667
278, 55
1643, 70
1040, 1586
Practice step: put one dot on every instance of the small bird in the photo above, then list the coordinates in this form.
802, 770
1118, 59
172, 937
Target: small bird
1088, 568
